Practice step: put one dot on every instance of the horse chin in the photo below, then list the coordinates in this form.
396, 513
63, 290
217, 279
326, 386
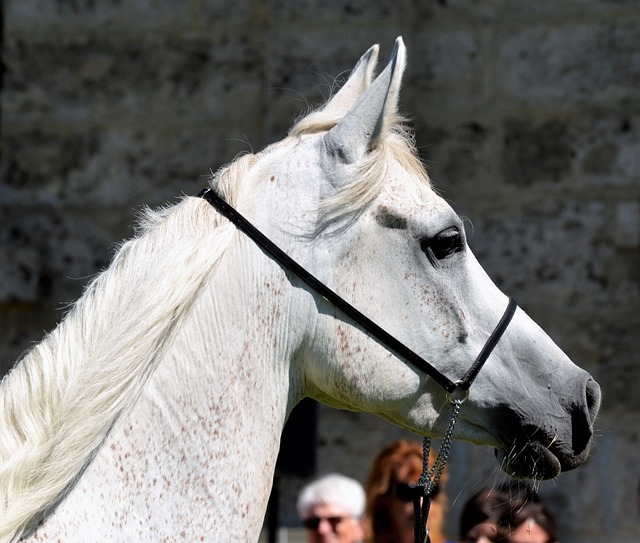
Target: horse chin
532, 461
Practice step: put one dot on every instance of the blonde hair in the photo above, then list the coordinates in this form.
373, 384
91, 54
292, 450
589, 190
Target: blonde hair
398, 462
60, 400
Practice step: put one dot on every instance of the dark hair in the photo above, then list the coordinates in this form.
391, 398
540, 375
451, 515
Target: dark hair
522, 510
490, 504
508, 506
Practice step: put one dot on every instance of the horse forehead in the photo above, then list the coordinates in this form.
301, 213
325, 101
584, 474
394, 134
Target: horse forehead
407, 194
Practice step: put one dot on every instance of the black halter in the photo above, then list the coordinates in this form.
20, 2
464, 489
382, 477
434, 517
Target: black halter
428, 481
376, 331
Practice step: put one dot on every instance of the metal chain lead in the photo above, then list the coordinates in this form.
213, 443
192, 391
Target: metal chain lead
429, 478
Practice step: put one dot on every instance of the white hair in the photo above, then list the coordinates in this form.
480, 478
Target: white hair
58, 403
332, 489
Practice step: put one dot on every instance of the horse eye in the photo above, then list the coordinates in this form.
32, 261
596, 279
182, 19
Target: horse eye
442, 245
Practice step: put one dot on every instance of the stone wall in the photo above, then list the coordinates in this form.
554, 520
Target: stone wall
526, 113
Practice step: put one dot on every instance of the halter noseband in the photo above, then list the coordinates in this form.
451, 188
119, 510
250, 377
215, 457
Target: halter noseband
429, 479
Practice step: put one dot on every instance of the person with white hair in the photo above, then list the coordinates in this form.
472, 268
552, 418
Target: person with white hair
331, 509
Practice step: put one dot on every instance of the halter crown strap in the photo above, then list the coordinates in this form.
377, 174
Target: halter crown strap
365, 322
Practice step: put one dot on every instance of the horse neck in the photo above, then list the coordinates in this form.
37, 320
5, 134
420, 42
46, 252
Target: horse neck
61, 399
205, 431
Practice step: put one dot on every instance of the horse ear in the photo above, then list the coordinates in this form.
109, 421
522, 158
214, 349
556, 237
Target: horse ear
358, 82
370, 116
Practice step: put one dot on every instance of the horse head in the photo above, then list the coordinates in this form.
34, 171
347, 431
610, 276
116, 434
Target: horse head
346, 195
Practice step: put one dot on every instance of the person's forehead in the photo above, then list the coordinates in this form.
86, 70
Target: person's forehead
328, 510
487, 528
529, 530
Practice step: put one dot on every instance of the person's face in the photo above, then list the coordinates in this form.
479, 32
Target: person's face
529, 532
403, 520
332, 524
485, 532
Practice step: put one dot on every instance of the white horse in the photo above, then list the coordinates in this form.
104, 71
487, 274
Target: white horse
153, 412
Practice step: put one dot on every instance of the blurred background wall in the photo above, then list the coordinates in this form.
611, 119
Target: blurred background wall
527, 115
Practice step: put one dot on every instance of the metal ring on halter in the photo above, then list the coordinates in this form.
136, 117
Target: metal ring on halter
450, 397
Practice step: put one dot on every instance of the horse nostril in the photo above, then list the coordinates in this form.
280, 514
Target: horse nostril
593, 400
583, 416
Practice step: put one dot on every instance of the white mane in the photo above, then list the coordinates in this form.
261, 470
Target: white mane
61, 399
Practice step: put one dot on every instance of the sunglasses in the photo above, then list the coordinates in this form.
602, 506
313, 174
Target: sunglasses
407, 491
312, 523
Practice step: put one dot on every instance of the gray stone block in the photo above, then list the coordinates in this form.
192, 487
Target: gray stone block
90, 79
72, 246
113, 166
587, 63
19, 274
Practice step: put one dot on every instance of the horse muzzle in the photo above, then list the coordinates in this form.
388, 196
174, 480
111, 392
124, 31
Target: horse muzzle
540, 452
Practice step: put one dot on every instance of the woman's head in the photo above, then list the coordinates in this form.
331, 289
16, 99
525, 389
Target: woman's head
528, 522
389, 511
331, 509
508, 514
481, 515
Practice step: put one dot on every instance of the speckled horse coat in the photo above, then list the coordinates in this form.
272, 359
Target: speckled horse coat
154, 411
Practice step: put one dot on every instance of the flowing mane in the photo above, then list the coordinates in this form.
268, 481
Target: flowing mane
60, 400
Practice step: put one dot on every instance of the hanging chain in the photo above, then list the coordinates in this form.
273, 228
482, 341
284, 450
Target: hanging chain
428, 481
